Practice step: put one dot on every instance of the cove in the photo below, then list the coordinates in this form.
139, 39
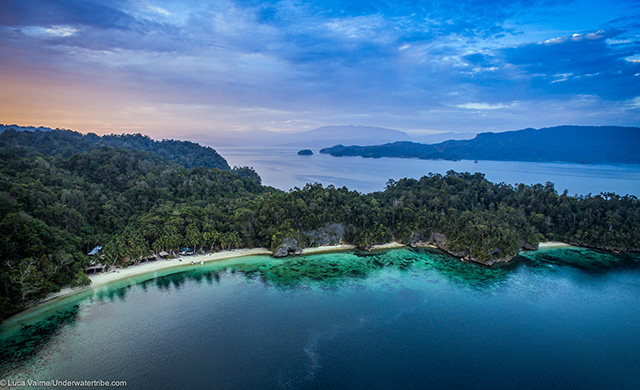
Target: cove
405, 318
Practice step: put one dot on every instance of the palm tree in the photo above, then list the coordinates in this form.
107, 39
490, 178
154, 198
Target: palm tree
114, 250
211, 237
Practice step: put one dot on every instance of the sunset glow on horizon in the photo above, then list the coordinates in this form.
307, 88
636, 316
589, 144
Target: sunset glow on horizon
168, 68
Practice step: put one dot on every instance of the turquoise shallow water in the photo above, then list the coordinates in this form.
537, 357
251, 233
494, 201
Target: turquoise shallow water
562, 318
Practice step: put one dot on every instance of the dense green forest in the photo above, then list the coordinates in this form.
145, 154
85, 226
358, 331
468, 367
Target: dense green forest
63, 193
66, 143
580, 144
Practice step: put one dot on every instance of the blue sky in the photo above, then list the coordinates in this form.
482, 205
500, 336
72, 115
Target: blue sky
166, 67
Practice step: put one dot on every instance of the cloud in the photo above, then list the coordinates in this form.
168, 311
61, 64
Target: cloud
483, 106
100, 14
634, 103
578, 64
600, 34
384, 60
50, 32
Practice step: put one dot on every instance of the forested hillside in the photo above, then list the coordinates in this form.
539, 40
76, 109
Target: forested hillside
580, 144
60, 197
65, 143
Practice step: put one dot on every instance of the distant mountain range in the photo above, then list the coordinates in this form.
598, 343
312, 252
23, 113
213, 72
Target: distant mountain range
316, 138
581, 144
441, 137
323, 137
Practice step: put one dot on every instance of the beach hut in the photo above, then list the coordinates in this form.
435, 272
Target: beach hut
94, 269
162, 255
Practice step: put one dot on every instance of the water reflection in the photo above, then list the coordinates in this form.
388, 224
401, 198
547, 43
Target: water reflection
333, 270
588, 260
32, 338
325, 271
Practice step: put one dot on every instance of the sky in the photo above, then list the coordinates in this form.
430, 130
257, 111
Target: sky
166, 68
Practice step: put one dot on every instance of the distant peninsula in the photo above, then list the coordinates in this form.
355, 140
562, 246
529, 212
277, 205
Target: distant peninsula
578, 144
305, 152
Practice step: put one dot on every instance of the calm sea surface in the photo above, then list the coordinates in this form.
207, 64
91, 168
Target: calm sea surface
283, 168
561, 319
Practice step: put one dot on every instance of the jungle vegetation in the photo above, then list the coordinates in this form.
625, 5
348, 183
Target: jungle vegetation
63, 193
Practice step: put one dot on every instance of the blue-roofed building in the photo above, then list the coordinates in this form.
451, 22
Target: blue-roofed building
95, 251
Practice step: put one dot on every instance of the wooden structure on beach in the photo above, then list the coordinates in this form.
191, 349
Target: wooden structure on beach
94, 269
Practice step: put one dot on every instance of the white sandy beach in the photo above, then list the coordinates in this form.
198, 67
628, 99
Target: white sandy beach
553, 244
102, 279
347, 247
390, 245
122, 273
327, 248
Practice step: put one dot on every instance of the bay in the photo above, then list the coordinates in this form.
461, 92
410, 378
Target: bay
555, 318
284, 169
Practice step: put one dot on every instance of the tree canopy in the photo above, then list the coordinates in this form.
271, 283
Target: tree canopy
59, 198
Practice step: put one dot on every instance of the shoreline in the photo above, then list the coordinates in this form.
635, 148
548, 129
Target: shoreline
553, 244
103, 279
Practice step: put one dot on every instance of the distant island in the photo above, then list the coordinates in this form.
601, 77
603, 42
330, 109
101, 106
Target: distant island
579, 144
305, 152
71, 203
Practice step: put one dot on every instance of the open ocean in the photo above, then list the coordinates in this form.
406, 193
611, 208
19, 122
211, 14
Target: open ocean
283, 168
402, 319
